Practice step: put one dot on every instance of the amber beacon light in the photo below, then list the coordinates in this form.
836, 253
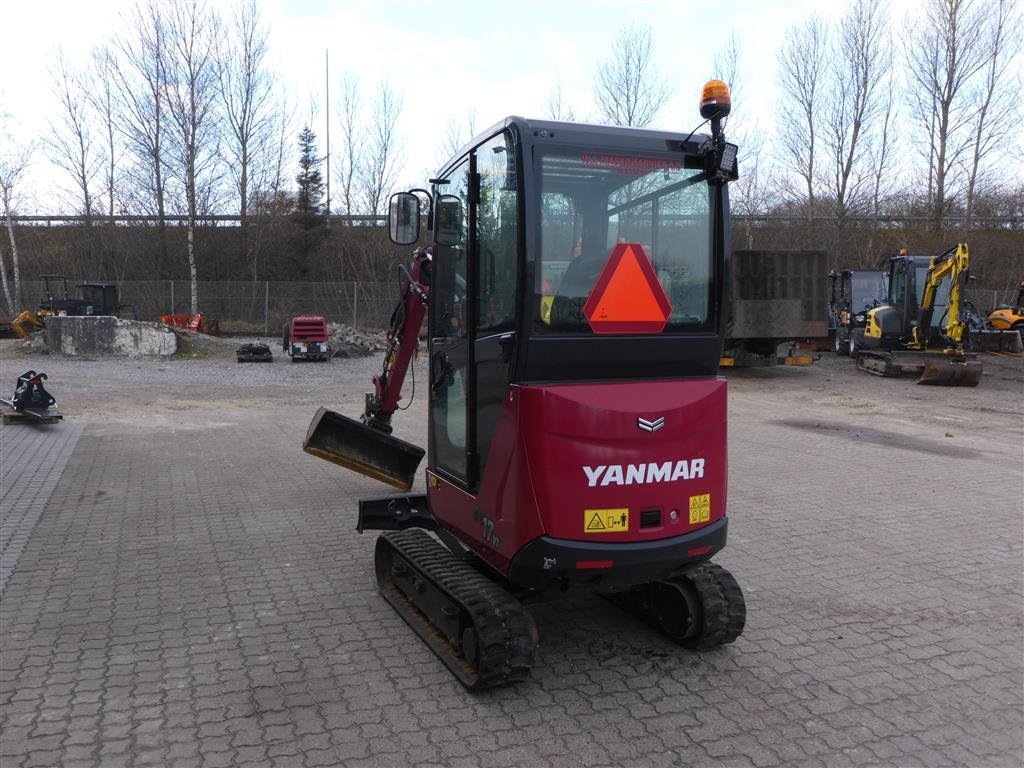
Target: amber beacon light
715, 100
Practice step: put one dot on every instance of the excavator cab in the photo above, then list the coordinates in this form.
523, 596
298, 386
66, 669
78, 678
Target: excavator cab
854, 292
574, 295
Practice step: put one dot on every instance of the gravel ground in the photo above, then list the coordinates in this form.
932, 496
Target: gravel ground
210, 370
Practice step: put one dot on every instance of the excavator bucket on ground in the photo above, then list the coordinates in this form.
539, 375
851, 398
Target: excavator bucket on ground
951, 373
362, 448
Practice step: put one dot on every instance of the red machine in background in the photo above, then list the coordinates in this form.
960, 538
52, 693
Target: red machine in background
305, 338
575, 300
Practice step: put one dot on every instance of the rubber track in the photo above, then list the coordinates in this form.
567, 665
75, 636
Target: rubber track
725, 612
507, 635
722, 614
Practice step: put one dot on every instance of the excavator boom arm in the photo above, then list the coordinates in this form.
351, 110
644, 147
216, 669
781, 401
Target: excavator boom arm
954, 264
403, 340
367, 445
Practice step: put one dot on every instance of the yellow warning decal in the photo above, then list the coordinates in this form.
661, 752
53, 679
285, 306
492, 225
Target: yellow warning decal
700, 508
605, 520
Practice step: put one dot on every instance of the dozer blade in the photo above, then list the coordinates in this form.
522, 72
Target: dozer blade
997, 341
951, 373
366, 450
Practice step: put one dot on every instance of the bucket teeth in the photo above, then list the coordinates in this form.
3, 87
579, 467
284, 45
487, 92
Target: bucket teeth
363, 449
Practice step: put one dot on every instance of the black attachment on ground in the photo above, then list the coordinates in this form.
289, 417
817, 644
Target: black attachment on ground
254, 353
29, 393
30, 401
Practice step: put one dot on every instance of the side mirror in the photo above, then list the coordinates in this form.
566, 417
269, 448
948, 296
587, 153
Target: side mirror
404, 218
449, 227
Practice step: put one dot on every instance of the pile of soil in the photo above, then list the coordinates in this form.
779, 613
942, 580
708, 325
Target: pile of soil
201, 345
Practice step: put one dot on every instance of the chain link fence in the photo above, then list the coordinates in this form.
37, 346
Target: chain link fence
261, 307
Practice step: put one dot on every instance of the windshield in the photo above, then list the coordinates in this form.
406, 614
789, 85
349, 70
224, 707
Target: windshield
868, 289
591, 201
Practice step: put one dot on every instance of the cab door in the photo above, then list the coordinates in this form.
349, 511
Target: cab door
473, 307
450, 335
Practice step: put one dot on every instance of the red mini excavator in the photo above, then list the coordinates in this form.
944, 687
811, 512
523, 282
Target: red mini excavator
574, 292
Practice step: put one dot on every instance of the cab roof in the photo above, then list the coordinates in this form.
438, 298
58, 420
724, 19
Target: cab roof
533, 131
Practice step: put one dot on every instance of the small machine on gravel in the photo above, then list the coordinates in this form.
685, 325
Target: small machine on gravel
574, 294
306, 338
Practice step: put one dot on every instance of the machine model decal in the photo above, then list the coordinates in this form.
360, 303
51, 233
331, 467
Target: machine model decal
644, 474
488, 525
700, 509
605, 520
650, 426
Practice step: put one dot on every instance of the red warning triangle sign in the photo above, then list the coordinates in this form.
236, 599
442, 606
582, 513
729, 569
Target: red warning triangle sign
628, 297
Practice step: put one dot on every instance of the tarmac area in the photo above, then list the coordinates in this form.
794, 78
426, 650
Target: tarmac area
183, 586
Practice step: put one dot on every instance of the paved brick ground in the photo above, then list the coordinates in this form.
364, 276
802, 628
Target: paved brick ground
34, 459
193, 594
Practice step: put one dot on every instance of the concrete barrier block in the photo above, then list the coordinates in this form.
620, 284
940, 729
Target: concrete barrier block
108, 336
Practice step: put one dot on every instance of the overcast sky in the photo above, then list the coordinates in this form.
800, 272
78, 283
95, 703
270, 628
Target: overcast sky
449, 60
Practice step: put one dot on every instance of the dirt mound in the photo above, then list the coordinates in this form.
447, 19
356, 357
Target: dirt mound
348, 342
200, 345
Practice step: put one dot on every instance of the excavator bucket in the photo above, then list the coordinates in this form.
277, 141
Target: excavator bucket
951, 373
366, 450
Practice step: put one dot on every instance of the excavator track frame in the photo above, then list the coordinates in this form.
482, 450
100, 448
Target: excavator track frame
480, 631
931, 367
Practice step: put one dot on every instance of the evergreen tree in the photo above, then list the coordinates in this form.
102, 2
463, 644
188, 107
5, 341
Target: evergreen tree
310, 212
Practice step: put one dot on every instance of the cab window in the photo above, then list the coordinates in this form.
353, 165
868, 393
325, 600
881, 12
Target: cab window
498, 233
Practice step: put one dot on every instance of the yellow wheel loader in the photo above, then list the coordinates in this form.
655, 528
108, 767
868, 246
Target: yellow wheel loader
1009, 317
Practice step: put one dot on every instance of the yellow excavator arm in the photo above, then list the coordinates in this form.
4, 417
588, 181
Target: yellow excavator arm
954, 264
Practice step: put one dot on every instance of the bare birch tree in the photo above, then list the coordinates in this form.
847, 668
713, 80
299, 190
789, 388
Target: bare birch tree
882, 150
999, 103
860, 66
945, 52
802, 73
556, 106
381, 150
750, 194
350, 156
270, 200
70, 138
245, 91
628, 88
102, 97
14, 162
192, 100
457, 134
140, 81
